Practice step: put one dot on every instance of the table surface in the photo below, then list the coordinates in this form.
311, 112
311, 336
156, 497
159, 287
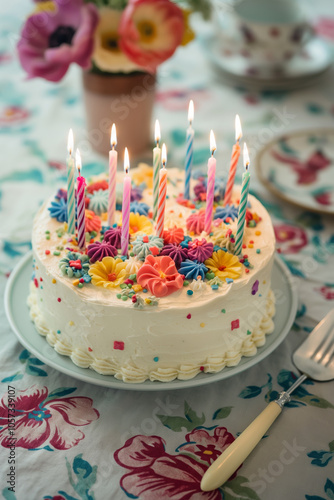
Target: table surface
78, 441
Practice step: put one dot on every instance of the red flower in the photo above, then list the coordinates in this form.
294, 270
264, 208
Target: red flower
290, 239
41, 421
159, 275
93, 222
173, 235
155, 475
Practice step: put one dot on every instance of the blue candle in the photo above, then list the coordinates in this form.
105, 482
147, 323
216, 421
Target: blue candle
189, 151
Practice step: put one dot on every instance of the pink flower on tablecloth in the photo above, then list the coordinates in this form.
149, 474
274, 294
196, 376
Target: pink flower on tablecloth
324, 26
326, 291
159, 275
13, 114
290, 239
156, 475
40, 421
54, 37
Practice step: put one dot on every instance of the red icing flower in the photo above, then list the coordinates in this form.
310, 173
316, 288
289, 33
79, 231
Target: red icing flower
195, 222
93, 222
96, 186
174, 235
43, 419
159, 275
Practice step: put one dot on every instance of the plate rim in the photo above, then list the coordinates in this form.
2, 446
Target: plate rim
83, 374
265, 182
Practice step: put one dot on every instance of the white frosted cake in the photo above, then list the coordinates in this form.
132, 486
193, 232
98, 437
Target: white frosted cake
176, 306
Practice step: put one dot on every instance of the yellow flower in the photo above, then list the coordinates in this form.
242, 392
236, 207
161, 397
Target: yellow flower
139, 224
224, 265
143, 173
107, 55
108, 272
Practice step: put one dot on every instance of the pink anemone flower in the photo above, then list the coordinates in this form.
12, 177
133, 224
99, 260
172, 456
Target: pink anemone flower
160, 276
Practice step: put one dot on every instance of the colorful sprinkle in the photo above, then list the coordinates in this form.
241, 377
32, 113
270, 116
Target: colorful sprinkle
90, 349
190, 292
202, 325
189, 316
36, 282
71, 323
156, 359
257, 233
214, 287
119, 345
185, 283
229, 280
235, 324
59, 299
47, 252
223, 311
201, 368
258, 250
54, 281
58, 331
248, 332
255, 287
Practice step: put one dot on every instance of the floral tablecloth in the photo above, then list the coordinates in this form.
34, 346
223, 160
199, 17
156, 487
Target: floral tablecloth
73, 440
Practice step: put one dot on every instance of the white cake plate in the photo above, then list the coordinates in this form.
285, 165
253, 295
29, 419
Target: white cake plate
18, 315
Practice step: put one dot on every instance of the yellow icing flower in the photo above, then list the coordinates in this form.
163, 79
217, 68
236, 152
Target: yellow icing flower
108, 272
144, 173
224, 265
139, 224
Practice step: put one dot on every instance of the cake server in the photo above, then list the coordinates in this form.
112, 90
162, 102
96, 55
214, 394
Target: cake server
315, 360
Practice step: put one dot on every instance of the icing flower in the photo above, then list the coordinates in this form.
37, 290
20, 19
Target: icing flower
200, 250
143, 175
113, 236
98, 201
74, 265
133, 264
97, 251
160, 276
147, 245
93, 222
195, 222
136, 193
139, 224
139, 208
229, 211
197, 285
108, 272
175, 252
58, 210
200, 191
193, 269
61, 194
224, 265
173, 235
96, 186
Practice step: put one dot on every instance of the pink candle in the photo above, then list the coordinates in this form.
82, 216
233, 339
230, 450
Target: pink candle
81, 222
234, 162
210, 189
159, 228
112, 177
126, 205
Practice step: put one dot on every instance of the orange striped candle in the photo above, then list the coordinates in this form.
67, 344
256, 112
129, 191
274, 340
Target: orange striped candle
234, 162
159, 228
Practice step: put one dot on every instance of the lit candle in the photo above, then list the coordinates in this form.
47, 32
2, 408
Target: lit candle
70, 185
210, 189
189, 151
112, 176
234, 162
126, 204
81, 222
156, 169
243, 204
162, 193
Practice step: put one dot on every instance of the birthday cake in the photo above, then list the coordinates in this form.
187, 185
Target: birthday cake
176, 306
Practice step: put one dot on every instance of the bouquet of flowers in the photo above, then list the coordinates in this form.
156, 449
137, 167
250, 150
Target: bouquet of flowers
104, 36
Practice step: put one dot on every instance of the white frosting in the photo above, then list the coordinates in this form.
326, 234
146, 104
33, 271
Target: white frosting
179, 337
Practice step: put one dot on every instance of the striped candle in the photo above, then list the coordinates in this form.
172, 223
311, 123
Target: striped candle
112, 177
156, 169
234, 162
70, 186
126, 205
159, 228
210, 189
81, 221
189, 151
243, 204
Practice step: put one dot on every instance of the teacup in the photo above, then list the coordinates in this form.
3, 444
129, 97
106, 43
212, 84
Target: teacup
272, 32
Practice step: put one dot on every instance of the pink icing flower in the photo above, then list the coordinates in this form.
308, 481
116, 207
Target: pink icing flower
43, 420
290, 239
200, 250
159, 275
174, 235
150, 31
154, 474
195, 222
52, 39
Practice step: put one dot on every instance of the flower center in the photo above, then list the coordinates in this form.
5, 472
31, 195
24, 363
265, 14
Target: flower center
75, 263
112, 276
221, 268
207, 452
39, 414
109, 41
146, 30
63, 34
162, 275
134, 229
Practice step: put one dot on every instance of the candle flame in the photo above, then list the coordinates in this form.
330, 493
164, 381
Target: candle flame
78, 161
157, 133
213, 146
70, 142
191, 112
164, 155
238, 129
126, 161
113, 136
246, 157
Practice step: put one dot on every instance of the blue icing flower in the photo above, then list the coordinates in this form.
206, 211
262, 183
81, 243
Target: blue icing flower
225, 212
139, 208
58, 210
185, 242
191, 269
98, 201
